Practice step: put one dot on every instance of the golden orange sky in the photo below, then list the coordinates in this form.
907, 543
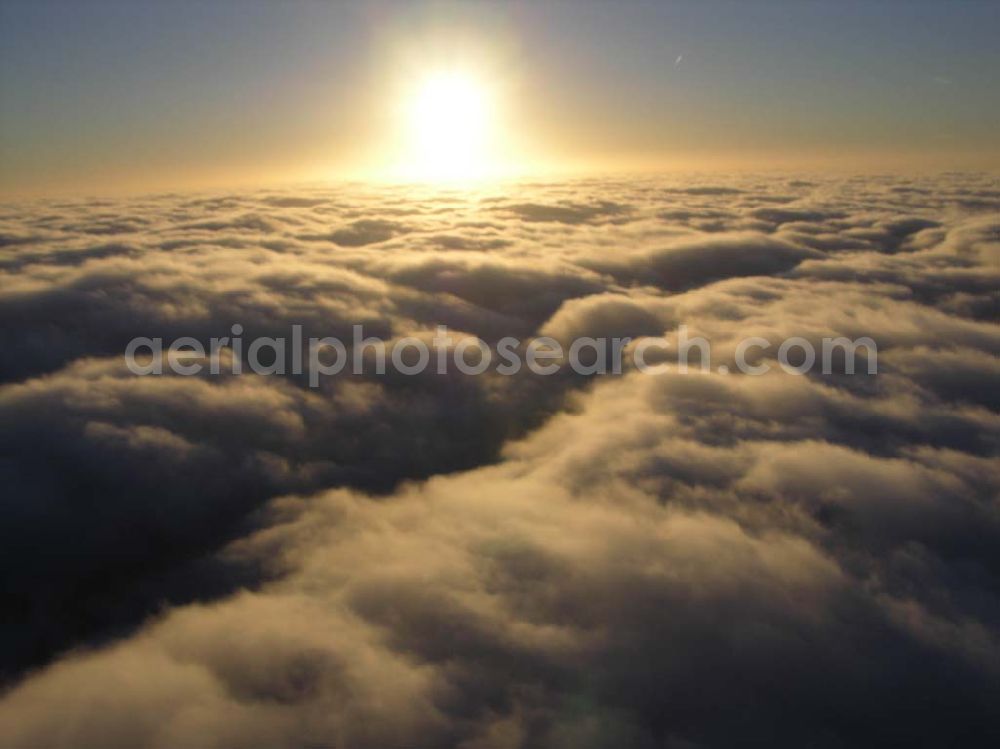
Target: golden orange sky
112, 97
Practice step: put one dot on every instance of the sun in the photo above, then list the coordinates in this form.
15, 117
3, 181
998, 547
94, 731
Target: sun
450, 128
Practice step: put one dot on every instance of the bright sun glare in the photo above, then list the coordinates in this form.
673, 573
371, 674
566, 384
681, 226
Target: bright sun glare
450, 123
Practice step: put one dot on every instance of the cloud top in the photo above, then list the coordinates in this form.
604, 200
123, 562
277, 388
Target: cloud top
489, 561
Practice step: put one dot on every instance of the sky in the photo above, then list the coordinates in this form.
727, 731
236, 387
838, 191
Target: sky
102, 96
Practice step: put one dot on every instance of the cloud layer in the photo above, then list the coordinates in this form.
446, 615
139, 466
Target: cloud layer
675, 560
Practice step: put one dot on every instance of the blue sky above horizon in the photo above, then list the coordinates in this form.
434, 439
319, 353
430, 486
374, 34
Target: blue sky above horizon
99, 94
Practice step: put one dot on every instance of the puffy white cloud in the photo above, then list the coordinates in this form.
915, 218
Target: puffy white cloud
672, 560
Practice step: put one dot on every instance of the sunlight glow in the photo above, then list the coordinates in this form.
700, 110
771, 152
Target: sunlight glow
450, 129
